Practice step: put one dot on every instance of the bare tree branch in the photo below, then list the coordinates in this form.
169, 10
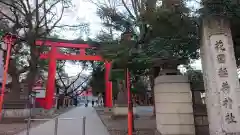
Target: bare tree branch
128, 10
48, 10
30, 23
22, 4
66, 87
80, 85
12, 5
136, 7
56, 22
60, 78
5, 15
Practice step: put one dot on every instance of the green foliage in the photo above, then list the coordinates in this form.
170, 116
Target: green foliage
97, 81
169, 34
117, 74
139, 87
115, 89
123, 54
157, 32
229, 10
173, 34
223, 8
1, 33
195, 76
116, 19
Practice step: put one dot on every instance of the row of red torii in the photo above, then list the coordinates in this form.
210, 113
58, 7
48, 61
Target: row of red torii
53, 55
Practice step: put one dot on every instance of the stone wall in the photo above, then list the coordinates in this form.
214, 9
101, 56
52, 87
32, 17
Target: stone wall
15, 113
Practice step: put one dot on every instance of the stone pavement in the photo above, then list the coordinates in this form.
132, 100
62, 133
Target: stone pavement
94, 125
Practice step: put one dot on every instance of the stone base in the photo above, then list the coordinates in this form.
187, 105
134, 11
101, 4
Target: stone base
44, 112
108, 110
15, 113
174, 112
122, 112
24, 113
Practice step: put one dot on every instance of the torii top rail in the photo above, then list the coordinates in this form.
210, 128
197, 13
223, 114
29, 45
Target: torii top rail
54, 55
82, 48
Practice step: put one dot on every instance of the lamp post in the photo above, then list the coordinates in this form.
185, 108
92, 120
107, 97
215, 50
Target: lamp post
9, 39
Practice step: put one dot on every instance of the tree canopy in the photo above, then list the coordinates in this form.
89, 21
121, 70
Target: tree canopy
30, 21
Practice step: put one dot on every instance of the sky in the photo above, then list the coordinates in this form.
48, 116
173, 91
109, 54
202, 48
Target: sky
85, 12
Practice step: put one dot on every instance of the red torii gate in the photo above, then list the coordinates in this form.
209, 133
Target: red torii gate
53, 55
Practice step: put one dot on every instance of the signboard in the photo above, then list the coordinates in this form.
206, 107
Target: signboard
39, 89
225, 84
40, 93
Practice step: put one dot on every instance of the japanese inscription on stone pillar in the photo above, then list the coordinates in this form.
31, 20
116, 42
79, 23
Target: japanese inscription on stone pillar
224, 78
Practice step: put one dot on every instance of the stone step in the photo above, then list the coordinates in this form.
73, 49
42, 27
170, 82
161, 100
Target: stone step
16, 104
13, 120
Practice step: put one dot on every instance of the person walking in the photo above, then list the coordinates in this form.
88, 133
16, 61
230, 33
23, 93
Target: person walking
86, 103
93, 103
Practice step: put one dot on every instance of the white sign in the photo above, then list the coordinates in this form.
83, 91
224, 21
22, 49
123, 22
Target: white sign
40, 93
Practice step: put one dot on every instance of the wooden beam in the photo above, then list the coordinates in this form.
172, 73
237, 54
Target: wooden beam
62, 44
72, 57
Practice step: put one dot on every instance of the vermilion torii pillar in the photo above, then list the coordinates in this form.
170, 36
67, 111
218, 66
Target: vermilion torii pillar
108, 84
54, 55
52, 67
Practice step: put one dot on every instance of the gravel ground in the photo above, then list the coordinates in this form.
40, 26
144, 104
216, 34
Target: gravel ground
143, 125
13, 128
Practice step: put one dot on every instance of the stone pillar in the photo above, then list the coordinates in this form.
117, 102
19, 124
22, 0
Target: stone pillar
220, 77
4, 47
1, 63
120, 109
174, 112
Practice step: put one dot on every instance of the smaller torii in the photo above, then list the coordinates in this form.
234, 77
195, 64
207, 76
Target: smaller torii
54, 55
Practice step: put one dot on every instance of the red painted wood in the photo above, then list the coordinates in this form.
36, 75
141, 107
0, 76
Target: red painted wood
53, 55
72, 57
82, 52
51, 78
9, 40
108, 96
41, 102
130, 109
62, 44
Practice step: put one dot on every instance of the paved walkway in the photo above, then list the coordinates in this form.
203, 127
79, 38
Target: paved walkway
94, 125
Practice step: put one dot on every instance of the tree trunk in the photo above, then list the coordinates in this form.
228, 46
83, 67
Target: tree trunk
31, 79
152, 92
14, 93
33, 72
